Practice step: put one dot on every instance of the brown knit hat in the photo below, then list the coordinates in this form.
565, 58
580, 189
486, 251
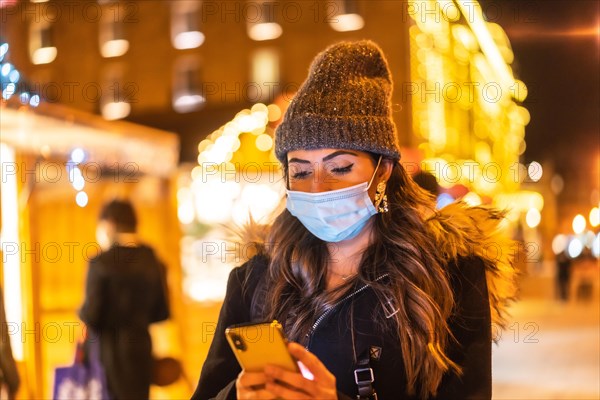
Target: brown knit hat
345, 103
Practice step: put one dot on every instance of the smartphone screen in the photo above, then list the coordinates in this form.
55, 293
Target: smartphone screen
259, 344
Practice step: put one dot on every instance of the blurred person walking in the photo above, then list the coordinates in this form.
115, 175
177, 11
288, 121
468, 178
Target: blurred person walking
9, 376
563, 275
125, 292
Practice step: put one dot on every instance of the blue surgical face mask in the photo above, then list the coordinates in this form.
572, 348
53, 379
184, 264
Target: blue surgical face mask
335, 215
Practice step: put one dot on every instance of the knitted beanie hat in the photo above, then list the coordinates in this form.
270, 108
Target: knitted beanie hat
345, 103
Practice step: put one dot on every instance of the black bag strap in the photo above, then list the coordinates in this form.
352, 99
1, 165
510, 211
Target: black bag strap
364, 378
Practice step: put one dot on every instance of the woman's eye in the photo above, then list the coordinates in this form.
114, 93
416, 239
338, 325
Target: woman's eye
342, 170
300, 174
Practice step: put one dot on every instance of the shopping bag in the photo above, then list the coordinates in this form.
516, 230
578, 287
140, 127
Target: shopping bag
85, 379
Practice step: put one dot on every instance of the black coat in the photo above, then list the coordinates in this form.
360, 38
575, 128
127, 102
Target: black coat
125, 293
332, 342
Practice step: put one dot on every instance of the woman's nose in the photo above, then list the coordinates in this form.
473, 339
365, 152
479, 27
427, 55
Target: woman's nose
316, 183
317, 186
319, 182
322, 182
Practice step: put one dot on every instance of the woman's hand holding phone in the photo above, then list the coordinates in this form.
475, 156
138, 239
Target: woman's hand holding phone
252, 385
278, 383
296, 385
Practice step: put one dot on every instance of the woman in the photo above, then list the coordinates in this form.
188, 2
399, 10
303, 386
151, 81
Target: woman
384, 296
125, 292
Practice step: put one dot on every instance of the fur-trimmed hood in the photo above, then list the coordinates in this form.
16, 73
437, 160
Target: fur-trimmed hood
462, 230
458, 230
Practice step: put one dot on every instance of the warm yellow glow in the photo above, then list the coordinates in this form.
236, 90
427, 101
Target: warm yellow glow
472, 199
185, 208
451, 12
43, 55
46, 151
520, 202
533, 218
438, 168
11, 246
501, 41
264, 31
462, 108
347, 22
465, 37
114, 48
265, 73
519, 91
188, 102
256, 200
274, 112
559, 243
259, 108
557, 184
118, 110
214, 198
264, 142
246, 123
535, 171
519, 115
579, 224
188, 40
594, 217
483, 152
474, 17
202, 288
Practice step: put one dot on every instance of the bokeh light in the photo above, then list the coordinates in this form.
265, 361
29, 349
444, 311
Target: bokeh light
579, 224
594, 217
533, 217
535, 171
559, 243
575, 248
81, 199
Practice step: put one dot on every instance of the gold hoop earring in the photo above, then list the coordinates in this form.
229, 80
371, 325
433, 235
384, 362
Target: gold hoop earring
381, 203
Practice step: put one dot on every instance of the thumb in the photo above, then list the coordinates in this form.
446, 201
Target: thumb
310, 361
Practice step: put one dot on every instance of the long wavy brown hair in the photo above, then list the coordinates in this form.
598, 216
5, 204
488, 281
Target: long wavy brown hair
402, 248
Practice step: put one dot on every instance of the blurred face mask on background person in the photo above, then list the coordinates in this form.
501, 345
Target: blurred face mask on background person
333, 215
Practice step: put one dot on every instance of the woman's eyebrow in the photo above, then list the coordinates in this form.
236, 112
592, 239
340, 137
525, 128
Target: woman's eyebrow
326, 158
338, 153
298, 160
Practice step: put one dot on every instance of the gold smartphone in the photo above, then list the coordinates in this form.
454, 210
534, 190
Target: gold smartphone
256, 345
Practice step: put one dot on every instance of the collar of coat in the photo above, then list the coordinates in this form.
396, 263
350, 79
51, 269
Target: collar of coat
458, 230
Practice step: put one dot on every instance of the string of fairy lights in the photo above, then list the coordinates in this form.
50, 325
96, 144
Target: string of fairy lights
12, 82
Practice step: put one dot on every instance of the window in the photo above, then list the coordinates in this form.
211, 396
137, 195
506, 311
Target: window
41, 48
347, 17
115, 102
260, 20
185, 30
112, 32
265, 74
187, 94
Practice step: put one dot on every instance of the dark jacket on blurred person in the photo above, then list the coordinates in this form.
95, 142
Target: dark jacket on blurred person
124, 295
9, 375
125, 292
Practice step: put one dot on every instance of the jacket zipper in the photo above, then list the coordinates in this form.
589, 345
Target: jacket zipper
318, 321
